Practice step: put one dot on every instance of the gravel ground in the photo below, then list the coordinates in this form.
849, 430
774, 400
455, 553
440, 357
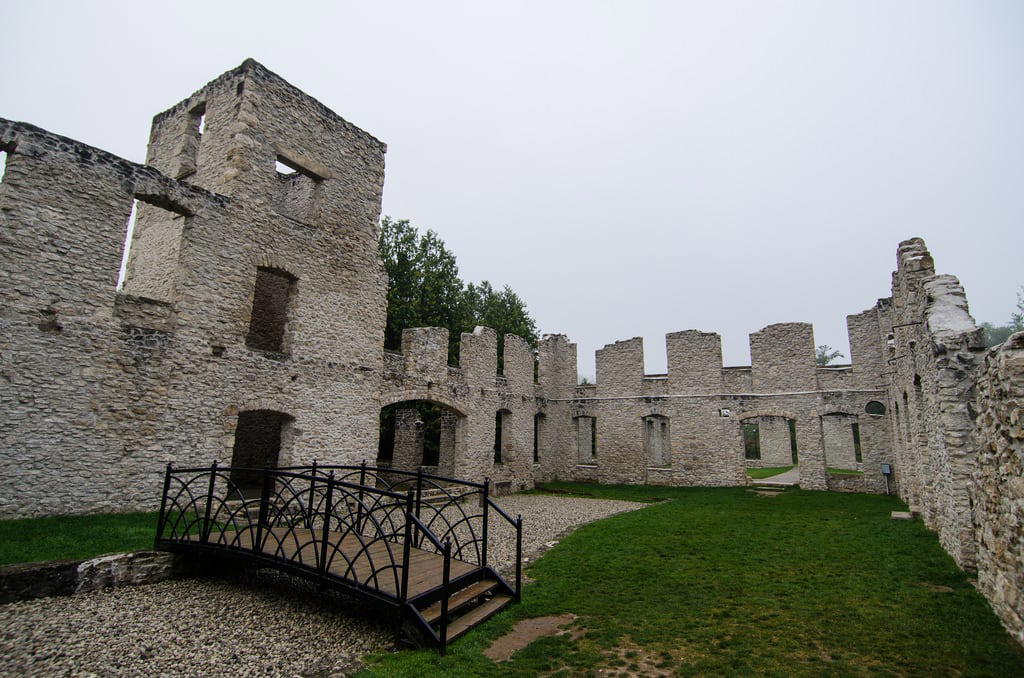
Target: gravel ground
257, 624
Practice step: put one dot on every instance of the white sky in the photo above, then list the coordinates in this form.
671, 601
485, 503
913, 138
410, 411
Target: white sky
629, 168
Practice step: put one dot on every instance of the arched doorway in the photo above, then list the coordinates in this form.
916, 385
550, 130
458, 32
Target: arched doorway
259, 438
419, 433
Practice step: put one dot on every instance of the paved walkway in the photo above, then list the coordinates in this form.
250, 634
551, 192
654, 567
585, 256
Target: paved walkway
790, 477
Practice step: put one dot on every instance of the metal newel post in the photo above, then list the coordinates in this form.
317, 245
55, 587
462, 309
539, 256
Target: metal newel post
519, 557
444, 591
263, 519
408, 544
327, 523
312, 497
486, 501
163, 507
419, 494
359, 508
209, 501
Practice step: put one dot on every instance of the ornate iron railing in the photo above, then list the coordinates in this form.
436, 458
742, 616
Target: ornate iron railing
350, 525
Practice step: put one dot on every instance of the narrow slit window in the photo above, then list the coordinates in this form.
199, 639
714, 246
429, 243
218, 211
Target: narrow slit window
272, 297
792, 441
3, 164
538, 422
855, 427
499, 443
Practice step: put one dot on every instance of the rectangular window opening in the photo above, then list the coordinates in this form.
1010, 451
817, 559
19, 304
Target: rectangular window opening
127, 247
586, 439
269, 319
3, 164
149, 258
298, 190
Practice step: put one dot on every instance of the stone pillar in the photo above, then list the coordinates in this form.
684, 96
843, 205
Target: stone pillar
811, 452
408, 452
446, 454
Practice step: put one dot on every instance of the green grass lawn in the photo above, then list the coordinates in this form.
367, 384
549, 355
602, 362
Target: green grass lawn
767, 472
726, 582
74, 537
844, 472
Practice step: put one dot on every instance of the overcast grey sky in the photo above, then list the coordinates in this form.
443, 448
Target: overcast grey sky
629, 168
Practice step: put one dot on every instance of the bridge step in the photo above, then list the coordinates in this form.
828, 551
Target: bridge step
460, 599
477, 615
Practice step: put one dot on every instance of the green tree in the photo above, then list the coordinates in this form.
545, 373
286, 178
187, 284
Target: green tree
995, 335
1017, 319
425, 290
824, 355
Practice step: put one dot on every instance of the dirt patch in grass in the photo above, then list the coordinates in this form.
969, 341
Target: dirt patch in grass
937, 588
630, 660
528, 630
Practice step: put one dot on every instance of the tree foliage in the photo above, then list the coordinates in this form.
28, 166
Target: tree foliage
425, 290
824, 355
995, 335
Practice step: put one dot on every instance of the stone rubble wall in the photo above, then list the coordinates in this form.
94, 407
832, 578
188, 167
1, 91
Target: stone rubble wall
101, 390
934, 356
705, 405
997, 486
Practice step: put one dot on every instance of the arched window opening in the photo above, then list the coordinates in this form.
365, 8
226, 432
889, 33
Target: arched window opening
416, 433
271, 299
656, 441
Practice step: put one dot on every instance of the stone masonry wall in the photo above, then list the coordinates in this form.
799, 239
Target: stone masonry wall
998, 482
101, 390
936, 349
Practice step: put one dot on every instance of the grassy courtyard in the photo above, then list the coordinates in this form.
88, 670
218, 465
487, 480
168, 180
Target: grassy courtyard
74, 537
726, 582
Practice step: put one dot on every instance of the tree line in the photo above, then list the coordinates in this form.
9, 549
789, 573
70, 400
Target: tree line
425, 290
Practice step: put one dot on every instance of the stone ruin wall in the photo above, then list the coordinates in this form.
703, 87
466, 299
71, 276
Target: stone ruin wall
101, 389
957, 422
706, 448
997, 487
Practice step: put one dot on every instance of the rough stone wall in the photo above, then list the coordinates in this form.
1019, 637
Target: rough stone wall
704, 404
998, 483
936, 349
102, 390
782, 358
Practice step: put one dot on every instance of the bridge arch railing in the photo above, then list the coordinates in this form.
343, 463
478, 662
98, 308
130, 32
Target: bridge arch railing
356, 523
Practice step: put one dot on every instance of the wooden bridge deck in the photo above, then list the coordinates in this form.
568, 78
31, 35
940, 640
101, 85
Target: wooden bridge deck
353, 560
377, 548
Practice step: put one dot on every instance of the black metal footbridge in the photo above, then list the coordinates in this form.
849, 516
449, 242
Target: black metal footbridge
409, 541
